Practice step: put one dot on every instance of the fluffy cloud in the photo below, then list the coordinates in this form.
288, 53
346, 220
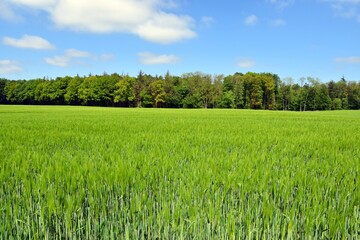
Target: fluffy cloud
8, 66
66, 59
28, 41
349, 60
144, 18
148, 58
165, 28
251, 20
246, 63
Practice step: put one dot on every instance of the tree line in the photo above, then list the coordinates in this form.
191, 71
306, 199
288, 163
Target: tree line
190, 90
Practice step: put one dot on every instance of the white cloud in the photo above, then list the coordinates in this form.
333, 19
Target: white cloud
144, 18
277, 22
246, 63
28, 41
148, 58
251, 20
8, 66
59, 61
74, 53
166, 28
348, 60
66, 59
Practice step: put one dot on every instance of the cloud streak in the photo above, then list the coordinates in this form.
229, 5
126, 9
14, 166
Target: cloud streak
246, 63
348, 60
148, 58
8, 66
28, 41
66, 59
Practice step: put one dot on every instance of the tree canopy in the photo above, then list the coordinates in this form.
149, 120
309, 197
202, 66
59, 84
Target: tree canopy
190, 90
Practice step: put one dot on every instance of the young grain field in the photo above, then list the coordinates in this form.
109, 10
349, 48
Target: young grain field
111, 173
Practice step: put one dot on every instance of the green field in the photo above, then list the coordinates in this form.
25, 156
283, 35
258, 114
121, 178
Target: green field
111, 173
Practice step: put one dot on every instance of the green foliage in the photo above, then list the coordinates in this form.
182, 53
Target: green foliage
124, 91
191, 90
115, 173
336, 104
228, 100
2, 90
97, 90
72, 91
158, 92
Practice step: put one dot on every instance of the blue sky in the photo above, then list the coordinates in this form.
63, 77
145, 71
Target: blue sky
292, 38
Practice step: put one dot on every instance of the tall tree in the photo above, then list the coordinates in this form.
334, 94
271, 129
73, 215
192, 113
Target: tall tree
138, 88
172, 94
124, 91
323, 100
238, 82
2, 90
353, 95
71, 95
158, 92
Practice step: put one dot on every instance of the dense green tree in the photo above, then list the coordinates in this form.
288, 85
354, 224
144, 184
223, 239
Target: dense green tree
194, 91
58, 90
269, 83
158, 92
97, 90
304, 96
341, 92
2, 91
26, 91
353, 95
228, 83
323, 100
238, 82
89, 91
72, 91
10, 91
107, 88
124, 91
190, 90
228, 100
200, 89
253, 91
256, 94
173, 96
42, 92
138, 88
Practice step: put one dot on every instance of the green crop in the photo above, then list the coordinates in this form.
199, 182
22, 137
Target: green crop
111, 173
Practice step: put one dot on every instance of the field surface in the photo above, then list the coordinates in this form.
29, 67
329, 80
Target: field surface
111, 173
